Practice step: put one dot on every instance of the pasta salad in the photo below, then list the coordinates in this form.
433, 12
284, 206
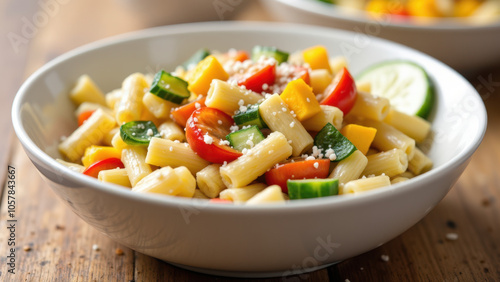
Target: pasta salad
248, 128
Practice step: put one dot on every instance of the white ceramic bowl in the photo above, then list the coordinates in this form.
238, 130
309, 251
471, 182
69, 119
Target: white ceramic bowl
465, 47
238, 240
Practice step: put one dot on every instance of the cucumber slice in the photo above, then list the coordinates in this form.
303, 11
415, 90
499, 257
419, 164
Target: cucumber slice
330, 138
404, 83
312, 188
272, 52
196, 58
250, 117
245, 138
138, 132
169, 87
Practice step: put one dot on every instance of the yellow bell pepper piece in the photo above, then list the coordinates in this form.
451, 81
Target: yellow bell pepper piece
96, 153
207, 70
423, 8
317, 58
300, 98
360, 136
465, 8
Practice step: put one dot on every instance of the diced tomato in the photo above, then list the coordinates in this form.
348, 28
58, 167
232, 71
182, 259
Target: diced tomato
182, 113
341, 93
298, 169
255, 80
239, 55
205, 130
304, 74
110, 163
84, 116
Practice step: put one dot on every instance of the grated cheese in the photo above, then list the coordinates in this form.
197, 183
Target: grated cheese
208, 139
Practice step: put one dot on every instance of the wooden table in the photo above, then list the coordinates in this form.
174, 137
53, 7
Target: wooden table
53, 244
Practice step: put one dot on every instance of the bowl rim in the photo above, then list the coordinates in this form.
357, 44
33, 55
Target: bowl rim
361, 17
227, 26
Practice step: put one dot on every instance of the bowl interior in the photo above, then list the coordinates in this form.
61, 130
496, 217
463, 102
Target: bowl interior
42, 112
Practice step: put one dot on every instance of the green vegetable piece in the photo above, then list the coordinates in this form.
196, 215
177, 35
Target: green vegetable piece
406, 84
138, 132
250, 117
330, 138
245, 138
272, 52
169, 87
196, 58
312, 188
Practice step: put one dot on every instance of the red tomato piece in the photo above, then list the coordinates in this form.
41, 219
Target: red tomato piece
239, 55
341, 93
84, 116
205, 130
110, 163
182, 113
254, 81
303, 73
299, 169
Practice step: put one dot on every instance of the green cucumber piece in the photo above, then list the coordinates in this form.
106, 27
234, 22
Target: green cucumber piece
196, 58
138, 132
406, 84
312, 188
267, 51
245, 138
169, 87
330, 138
250, 117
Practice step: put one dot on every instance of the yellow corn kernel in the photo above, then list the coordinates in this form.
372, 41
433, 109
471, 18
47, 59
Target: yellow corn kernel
96, 153
317, 58
203, 74
86, 90
300, 98
360, 136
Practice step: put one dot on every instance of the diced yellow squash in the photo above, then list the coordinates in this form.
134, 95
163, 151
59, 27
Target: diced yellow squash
300, 98
317, 58
360, 136
86, 90
203, 74
96, 153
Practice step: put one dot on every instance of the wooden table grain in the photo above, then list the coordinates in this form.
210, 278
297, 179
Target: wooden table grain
53, 244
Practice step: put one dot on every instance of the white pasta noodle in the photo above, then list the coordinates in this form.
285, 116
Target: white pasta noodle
256, 161
168, 181
277, 116
90, 133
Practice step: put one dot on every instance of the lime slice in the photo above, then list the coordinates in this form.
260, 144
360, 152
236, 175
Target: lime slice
404, 83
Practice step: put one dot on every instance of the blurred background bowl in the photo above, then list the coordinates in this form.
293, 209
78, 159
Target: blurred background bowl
464, 46
161, 12
273, 240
